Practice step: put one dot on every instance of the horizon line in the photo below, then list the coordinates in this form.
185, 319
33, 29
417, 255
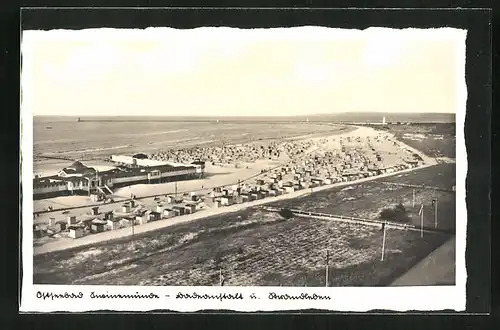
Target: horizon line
240, 116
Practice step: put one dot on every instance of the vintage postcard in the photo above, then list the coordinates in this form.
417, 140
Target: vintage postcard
245, 170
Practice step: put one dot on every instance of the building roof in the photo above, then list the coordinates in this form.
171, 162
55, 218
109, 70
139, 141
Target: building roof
78, 166
140, 156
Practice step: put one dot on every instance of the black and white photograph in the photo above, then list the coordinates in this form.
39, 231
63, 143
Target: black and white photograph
286, 165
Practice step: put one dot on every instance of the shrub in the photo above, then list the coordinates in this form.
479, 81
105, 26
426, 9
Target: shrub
400, 208
388, 214
397, 214
218, 258
286, 213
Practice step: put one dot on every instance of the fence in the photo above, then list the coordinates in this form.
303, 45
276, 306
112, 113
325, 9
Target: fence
416, 186
372, 222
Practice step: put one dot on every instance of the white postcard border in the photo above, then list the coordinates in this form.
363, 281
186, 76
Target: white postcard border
37, 298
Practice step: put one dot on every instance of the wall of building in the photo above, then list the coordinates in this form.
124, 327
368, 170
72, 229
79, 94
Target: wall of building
80, 185
178, 173
128, 179
46, 190
70, 175
149, 162
49, 188
122, 159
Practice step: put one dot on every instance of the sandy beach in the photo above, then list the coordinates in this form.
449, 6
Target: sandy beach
216, 176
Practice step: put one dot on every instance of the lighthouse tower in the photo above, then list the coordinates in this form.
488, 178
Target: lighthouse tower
383, 120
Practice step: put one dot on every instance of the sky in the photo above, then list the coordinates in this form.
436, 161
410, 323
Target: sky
233, 72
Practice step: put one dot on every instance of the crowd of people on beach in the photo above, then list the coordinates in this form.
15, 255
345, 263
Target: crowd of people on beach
293, 150
234, 154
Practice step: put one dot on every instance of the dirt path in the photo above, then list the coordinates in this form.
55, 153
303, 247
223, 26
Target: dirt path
438, 268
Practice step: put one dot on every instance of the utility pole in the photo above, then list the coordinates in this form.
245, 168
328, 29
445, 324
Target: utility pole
383, 242
96, 180
421, 213
221, 278
413, 198
97, 176
175, 184
133, 224
326, 270
435, 202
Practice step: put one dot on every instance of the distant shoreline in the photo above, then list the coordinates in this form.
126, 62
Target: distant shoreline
339, 119
221, 121
241, 121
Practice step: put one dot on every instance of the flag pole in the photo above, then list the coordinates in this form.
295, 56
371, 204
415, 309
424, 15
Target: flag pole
436, 213
422, 222
133, 223
326, 272
383, 244
221, 278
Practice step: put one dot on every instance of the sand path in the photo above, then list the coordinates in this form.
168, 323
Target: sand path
438, 268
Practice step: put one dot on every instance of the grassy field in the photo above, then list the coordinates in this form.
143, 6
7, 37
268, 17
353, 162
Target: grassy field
367, 199
252, 248
257, 248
